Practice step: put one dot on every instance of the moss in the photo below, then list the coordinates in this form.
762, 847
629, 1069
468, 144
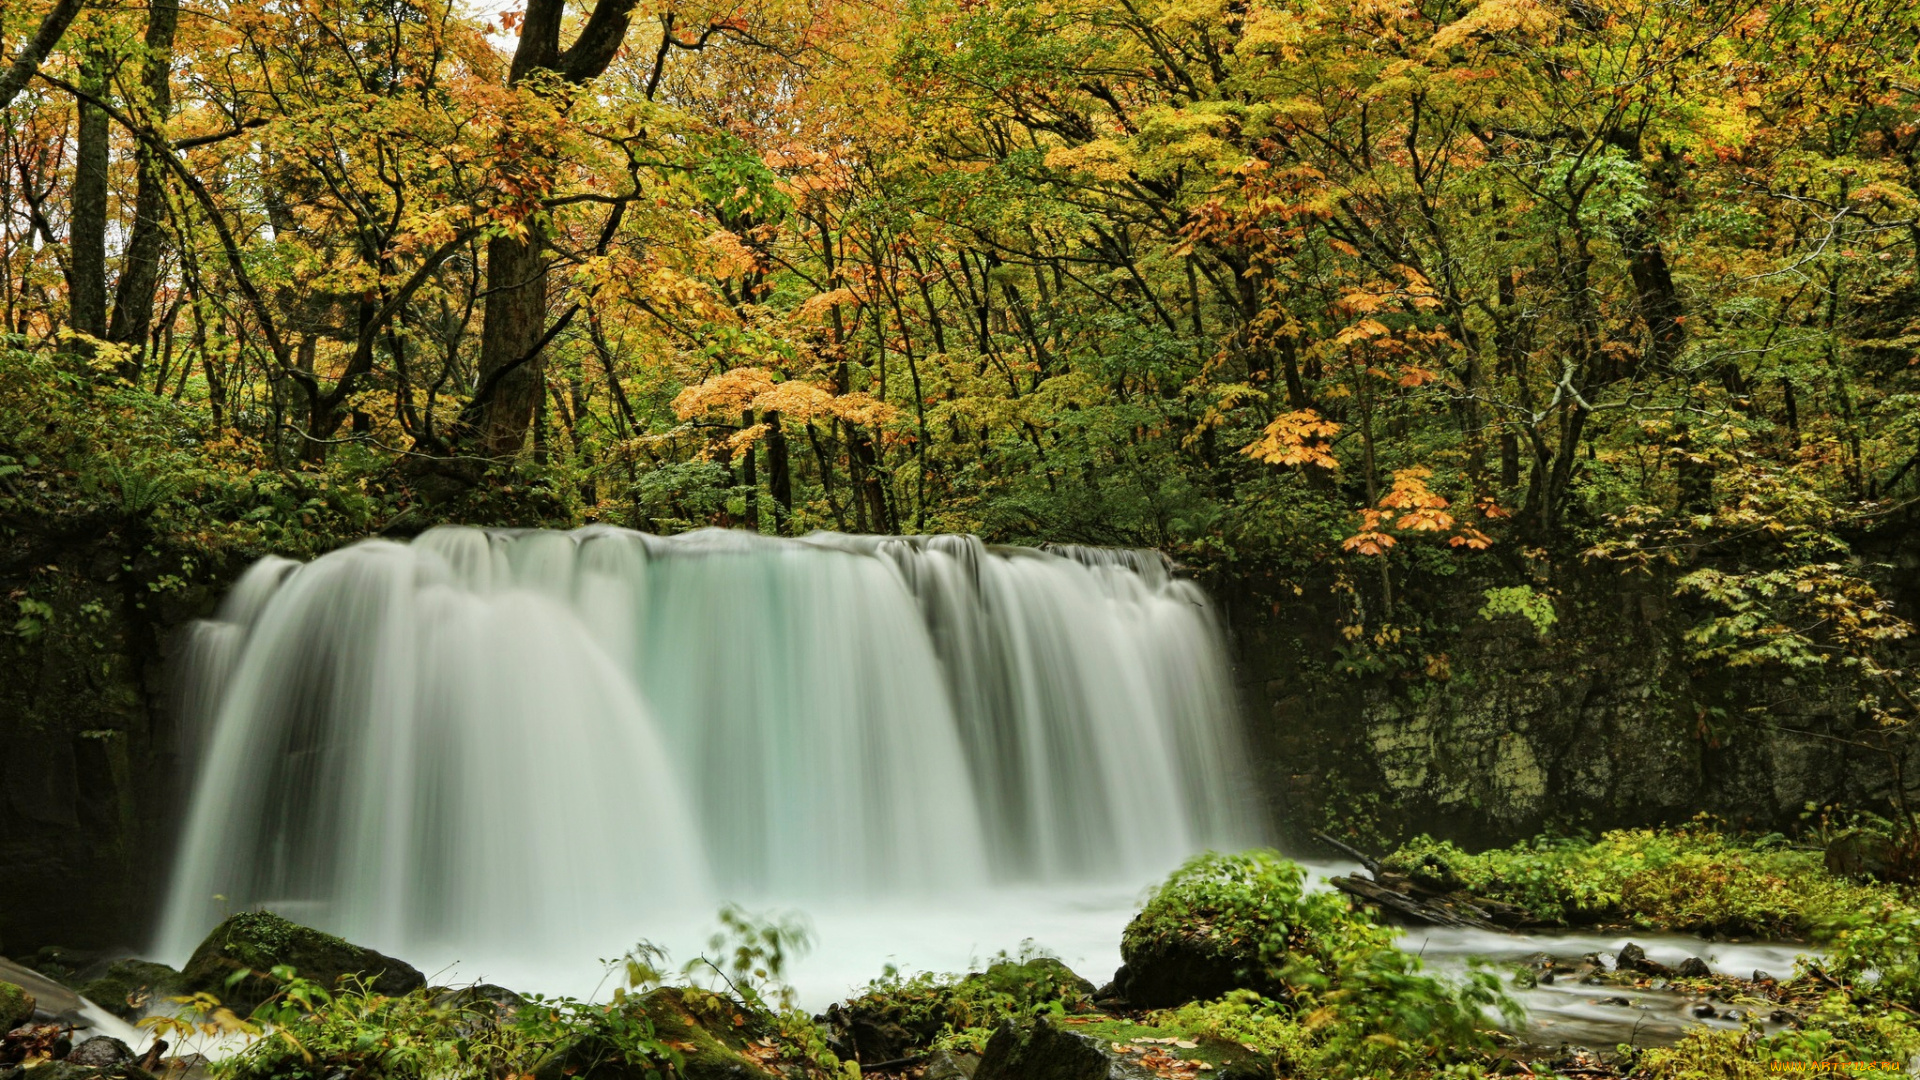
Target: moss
1230, 922
686, 1020
235, 962
897, 1017
130, 986
16, 1006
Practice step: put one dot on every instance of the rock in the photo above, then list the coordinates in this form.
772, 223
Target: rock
1619, 1001
1704, 1011
1871, 856
51, 1000
1693, 968
51, 1041
129, 987
1227, 922
100, 1052
256, 942
16, 1006
1633, 958
1043, 1051
891, 1024
67, 1070
712, 1050
946, 1065
1761, 976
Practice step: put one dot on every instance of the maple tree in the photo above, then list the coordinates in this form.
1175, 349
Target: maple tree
1330, 279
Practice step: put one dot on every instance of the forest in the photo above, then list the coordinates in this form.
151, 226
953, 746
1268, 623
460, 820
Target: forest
1390, 322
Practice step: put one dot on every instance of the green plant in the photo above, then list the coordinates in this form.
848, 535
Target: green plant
1523, 601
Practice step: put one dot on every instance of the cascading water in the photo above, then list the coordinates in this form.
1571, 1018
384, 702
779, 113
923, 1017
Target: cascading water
545, 742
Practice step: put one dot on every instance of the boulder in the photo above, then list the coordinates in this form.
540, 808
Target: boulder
1873, 856
16, 1006
1230, 922
100, 1052
892, 1023
1046, 1049
1693, 968
1633, 958
253, 943
67, 1070
128, 988
951, 1065
707, 1031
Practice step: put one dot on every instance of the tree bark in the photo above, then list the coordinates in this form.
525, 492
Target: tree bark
133, 300
28, 60
512, 367
87, 221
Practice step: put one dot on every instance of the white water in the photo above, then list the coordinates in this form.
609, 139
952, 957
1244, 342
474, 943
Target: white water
526, 750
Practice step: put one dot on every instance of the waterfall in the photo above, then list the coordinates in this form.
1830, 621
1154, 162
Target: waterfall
545, 738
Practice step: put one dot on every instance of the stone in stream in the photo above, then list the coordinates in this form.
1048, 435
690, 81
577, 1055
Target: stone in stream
253, 943
100, 1051
1693, 968
1705, 1011
1633, 958
16, 1006
128, 988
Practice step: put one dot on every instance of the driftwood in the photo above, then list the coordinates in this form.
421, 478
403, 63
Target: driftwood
1424, 902
1424, 911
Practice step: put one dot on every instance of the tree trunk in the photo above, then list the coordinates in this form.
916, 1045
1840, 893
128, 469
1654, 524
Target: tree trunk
511, 346
132, 320
779, 474
36, 49
87, 224
512, 372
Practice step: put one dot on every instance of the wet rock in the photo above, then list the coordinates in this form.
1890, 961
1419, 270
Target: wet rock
35, 1041
100, 1051
1704, 1011
16, 1006
1872, 857
885, 1025
1044, 1051
943, 1065
1780, 1016
1761, 976
128, 988
255, 942
710, 1034
1693, 968
67, 1070
1620, 1001
1633, 958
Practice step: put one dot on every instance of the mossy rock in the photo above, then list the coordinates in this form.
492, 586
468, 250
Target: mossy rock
62, 1070
710, 1034
16, 1007
250, 945
890, 1023
1234, 922
131, 987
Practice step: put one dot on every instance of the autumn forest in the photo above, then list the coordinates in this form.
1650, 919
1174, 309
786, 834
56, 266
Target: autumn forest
1519, 378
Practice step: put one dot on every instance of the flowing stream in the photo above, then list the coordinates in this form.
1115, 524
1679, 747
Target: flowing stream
526, 749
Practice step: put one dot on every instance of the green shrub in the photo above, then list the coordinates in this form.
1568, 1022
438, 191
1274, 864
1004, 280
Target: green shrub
1347, 1002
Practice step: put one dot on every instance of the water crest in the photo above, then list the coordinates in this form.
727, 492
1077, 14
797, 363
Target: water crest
538, 740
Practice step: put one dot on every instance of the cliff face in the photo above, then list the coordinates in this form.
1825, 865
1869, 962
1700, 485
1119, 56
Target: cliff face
1480, 730
87, 760
1486, 731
